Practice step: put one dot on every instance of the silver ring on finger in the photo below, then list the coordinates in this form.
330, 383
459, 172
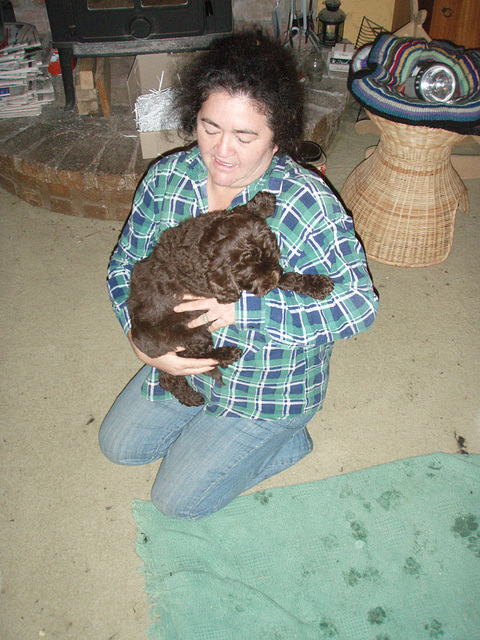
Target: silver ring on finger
205, 319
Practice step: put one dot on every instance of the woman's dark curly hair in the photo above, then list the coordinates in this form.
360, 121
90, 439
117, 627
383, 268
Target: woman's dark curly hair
251, 65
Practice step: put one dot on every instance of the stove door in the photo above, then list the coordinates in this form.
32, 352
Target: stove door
106, 21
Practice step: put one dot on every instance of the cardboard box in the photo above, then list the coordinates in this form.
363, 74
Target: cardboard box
340, 56
156, 143
155, 71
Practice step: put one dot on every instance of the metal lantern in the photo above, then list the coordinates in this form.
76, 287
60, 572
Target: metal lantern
330, 23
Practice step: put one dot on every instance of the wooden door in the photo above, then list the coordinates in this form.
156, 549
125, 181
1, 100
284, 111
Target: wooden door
457, 21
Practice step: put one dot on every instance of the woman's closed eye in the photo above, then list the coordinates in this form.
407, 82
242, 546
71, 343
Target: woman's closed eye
211, 132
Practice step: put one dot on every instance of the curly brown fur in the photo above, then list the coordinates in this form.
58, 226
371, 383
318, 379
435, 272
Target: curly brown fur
216, 255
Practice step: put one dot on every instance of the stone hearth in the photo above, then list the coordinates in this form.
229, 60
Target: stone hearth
83, 166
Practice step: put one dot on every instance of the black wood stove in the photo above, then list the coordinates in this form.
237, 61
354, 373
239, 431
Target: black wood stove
91, 28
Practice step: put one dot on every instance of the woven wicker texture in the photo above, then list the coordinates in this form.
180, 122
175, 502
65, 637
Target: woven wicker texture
404, 197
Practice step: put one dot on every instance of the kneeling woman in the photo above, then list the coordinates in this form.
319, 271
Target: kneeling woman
243, 100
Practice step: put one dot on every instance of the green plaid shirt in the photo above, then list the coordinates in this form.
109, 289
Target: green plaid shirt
287, 339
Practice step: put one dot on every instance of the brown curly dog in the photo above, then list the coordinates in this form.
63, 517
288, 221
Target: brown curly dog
216, 255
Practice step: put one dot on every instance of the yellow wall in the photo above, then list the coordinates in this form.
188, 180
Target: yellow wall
379, 11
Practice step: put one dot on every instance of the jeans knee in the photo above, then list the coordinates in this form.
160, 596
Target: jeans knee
109, 447
178, 511
107, 450
180, 507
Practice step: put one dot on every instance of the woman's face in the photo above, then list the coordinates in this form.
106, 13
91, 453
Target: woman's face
235, 140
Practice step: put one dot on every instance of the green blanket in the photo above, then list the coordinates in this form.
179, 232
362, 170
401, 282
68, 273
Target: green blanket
387, 553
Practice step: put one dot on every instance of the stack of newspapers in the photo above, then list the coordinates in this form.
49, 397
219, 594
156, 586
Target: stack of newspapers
25, 86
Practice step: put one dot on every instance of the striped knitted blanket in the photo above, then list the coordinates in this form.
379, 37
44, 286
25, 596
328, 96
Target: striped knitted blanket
379, 71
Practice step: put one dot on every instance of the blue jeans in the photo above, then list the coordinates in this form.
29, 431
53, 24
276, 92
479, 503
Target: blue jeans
207, 460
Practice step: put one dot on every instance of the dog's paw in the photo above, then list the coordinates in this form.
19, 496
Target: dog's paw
227, 355
317, 286
193, 399
179, 387
308, 284
188, 396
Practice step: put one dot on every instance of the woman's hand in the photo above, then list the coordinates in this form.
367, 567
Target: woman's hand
174, 364
218, 315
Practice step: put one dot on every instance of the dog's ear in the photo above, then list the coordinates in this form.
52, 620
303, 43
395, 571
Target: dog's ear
222, 283
216, 248
262, 205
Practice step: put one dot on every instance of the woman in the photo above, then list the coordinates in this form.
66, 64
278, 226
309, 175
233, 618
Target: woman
243, 100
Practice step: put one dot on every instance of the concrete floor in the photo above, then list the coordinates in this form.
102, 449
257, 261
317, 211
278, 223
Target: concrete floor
407, 387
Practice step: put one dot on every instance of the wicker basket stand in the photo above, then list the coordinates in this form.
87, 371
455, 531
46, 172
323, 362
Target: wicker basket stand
404, 197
